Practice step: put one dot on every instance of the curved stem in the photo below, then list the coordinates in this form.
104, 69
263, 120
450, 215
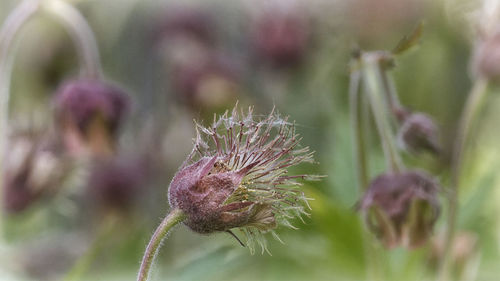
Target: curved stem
372, 78
13, 24
174, 217
472, 105
81, 34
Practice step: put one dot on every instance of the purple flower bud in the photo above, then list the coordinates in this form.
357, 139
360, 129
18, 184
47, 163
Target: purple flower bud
80, 101
240, 179
117, 183
189, 22
419, 133
33, 169
401, 208
486, 58
281, 36
211, 83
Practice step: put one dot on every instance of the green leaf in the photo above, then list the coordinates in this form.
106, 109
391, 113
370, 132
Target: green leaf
409, 40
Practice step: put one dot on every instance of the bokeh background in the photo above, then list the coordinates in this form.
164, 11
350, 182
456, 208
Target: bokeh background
184, 61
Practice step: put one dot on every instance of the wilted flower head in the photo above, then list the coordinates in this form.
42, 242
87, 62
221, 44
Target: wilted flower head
401, 208
33, 168
87, 108
237, 176
419, 133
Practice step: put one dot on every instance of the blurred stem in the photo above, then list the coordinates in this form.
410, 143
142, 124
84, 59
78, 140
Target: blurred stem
85, 261
472, 105
173, 218
373, 80
81, 34
391, 94
8, 34
357, 131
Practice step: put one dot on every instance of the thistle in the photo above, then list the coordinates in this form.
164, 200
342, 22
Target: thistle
237, 177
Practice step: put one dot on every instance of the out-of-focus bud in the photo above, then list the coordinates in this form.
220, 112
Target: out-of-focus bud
186, 22
116, 184
33, 168
419, 133
89, 113
401, 208
464, 255
281, 36
241, 182
210, 84
486, 58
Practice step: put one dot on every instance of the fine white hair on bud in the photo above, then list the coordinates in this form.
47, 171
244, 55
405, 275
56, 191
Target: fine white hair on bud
237, 176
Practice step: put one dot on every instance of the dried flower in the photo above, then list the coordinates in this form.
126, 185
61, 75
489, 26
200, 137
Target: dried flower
89, 111
419, 133
401, 208
237, 177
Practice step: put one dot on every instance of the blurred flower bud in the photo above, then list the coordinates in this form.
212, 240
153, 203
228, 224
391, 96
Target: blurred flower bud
211, 83
419, 133
186, 22
33, 168
117, 183
401, 208
242, 180
89, 112
464, 255
486, 58
280, 36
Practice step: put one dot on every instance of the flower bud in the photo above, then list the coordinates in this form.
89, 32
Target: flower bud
211, 83
419, 133
401, 208
117, 183
186, 22
33, 169
89, 112
486, 58
281, 36
242, 180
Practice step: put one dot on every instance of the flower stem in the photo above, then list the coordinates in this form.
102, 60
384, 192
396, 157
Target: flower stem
173, 218
81, 34
8, 34
472, 105
373, 78
361, 169
85, 261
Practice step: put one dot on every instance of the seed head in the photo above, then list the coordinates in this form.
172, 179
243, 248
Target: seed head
237, 177
401, 208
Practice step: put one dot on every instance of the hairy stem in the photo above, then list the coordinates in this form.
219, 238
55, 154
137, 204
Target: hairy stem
81, 34
374, 87
173, 218
8, 34
472, 105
